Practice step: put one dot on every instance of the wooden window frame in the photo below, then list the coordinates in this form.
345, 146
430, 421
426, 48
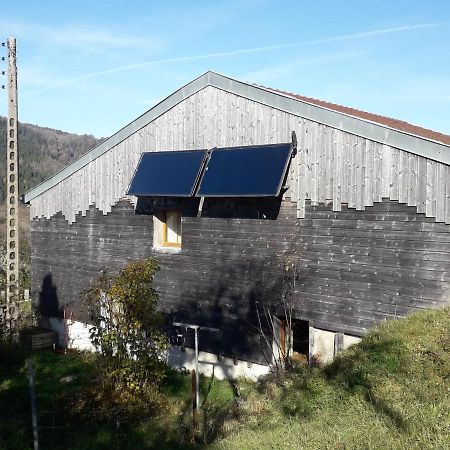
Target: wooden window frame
164, 242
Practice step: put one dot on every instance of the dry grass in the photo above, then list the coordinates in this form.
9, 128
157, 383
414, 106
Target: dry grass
392, 391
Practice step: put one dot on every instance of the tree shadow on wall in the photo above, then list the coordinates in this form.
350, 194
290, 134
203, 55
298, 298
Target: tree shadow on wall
229, 303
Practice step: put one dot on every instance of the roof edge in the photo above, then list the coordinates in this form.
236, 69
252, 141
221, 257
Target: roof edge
160, 108
418, 145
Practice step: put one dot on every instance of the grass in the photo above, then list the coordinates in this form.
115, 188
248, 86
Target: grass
391, 391
59, 428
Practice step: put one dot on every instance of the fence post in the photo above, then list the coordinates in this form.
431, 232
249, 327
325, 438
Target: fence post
33, 404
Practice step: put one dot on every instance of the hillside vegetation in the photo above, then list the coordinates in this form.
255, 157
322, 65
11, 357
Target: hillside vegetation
391, 391
42, 152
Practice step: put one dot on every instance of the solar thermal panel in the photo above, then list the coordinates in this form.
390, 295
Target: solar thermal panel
252, 171
170, 173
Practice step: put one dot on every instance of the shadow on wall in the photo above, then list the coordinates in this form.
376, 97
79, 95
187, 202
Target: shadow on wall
229, 303
48, 298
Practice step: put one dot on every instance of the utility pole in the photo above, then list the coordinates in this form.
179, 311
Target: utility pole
12, 194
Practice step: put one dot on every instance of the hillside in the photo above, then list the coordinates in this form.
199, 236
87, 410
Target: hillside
42, 152
391, 391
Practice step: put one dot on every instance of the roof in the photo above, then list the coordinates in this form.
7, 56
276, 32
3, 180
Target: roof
398, 134
382, 120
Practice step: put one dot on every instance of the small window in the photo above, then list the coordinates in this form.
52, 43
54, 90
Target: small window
167, 229
172, 229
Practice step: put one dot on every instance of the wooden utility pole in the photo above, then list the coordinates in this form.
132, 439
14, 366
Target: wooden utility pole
12, 193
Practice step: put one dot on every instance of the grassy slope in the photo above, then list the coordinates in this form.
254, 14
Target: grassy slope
390, 392
59, 428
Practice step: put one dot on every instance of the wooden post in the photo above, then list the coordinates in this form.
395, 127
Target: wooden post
33, 405
194, 406
12, 194
197, 381
195, 375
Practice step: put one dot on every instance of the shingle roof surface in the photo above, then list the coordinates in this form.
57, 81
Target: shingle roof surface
382, 120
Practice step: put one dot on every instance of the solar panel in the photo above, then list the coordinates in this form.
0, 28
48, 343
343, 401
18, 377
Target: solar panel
255, 171
173, 173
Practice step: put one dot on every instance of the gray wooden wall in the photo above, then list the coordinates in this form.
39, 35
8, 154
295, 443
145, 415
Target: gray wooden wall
331, 164
355, 268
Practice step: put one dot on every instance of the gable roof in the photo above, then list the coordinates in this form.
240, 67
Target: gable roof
417, 140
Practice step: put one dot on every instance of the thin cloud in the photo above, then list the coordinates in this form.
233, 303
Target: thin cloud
426, 90
272, 72
227, 54
92, 39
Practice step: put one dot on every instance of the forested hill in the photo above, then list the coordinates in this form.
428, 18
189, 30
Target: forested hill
42, 152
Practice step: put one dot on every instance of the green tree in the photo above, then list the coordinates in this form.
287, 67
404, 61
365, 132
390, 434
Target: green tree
126, 328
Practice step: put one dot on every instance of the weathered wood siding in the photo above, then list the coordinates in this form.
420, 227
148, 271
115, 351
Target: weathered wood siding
331, 164
355, 268
362, 267
65, 258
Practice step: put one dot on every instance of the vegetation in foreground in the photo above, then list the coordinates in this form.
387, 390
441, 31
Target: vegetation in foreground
390, 392
68, 420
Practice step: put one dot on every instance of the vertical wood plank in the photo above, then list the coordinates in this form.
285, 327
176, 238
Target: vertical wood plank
360, 151
369, 178
386, 171
337, 166
430, 207
329, 163
314, 136
393, 192
412, 179
353, 174
322, 155
421, 185
378, 169
440, 193
402, 174
447, 194
345, 168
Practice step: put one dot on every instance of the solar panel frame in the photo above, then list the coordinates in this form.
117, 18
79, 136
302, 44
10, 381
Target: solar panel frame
202, 191
198, 169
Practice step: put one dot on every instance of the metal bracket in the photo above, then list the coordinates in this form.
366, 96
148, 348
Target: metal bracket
294, 144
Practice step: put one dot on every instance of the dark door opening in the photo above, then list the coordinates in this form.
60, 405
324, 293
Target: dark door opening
300, 340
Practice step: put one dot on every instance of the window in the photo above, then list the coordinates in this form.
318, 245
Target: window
167, 229
172, 229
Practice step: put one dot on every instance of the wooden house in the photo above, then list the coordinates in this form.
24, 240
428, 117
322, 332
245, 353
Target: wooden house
359, 233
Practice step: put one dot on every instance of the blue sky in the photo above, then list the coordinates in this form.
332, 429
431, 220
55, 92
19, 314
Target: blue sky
94, 66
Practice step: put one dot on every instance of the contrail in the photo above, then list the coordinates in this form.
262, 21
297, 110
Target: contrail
244, 51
